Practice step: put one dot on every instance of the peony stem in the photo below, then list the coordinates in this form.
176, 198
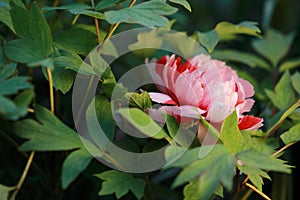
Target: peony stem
31, 156
257, 191
24, 174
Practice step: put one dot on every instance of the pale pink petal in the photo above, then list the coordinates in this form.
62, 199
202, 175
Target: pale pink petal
245, 89
161, 98
183, 111
188, 90
245, 106
157, 115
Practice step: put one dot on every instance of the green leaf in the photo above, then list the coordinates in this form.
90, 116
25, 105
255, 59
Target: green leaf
22, 51
72, 6
274, 46
77, 40
13, 109
284, 94
141, 100
217, 167
281, 116
148, 14
4, 191
209, 40
4, 12
296, 82
184, 3
120, 183
48, 62
180, 135
63, 79
260, 160
189, 156
189, 190
46, 134
73, 165
289, 64
227, 30
295, 115
78, 9
143, 123
105, 119
241, 57
231, 136
89, 13
72, 61
7, 70
21, 101
292, 135
255, 175
13, 85
35, 41
103, 4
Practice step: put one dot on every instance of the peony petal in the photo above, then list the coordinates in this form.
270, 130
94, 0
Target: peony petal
188, 90
161, 98
245, 89
250, 123
245, 106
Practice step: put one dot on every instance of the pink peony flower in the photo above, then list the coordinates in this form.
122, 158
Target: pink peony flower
201, 86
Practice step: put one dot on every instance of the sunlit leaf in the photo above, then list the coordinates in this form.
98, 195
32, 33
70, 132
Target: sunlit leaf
274, 46
289, 64
141, 100
257, 159
149, 13
4, 191
255, 175
227, 30
143, 123
217, 167
292, 135
296, 82
120, 183
231, 136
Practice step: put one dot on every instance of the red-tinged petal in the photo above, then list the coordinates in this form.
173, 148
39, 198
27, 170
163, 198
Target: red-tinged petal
250, 123
161, 98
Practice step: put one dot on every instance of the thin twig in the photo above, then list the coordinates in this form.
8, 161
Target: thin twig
51, 89
97, 30
257, 191
56, 2
31, 156
149, 187
24, 174
282, 149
